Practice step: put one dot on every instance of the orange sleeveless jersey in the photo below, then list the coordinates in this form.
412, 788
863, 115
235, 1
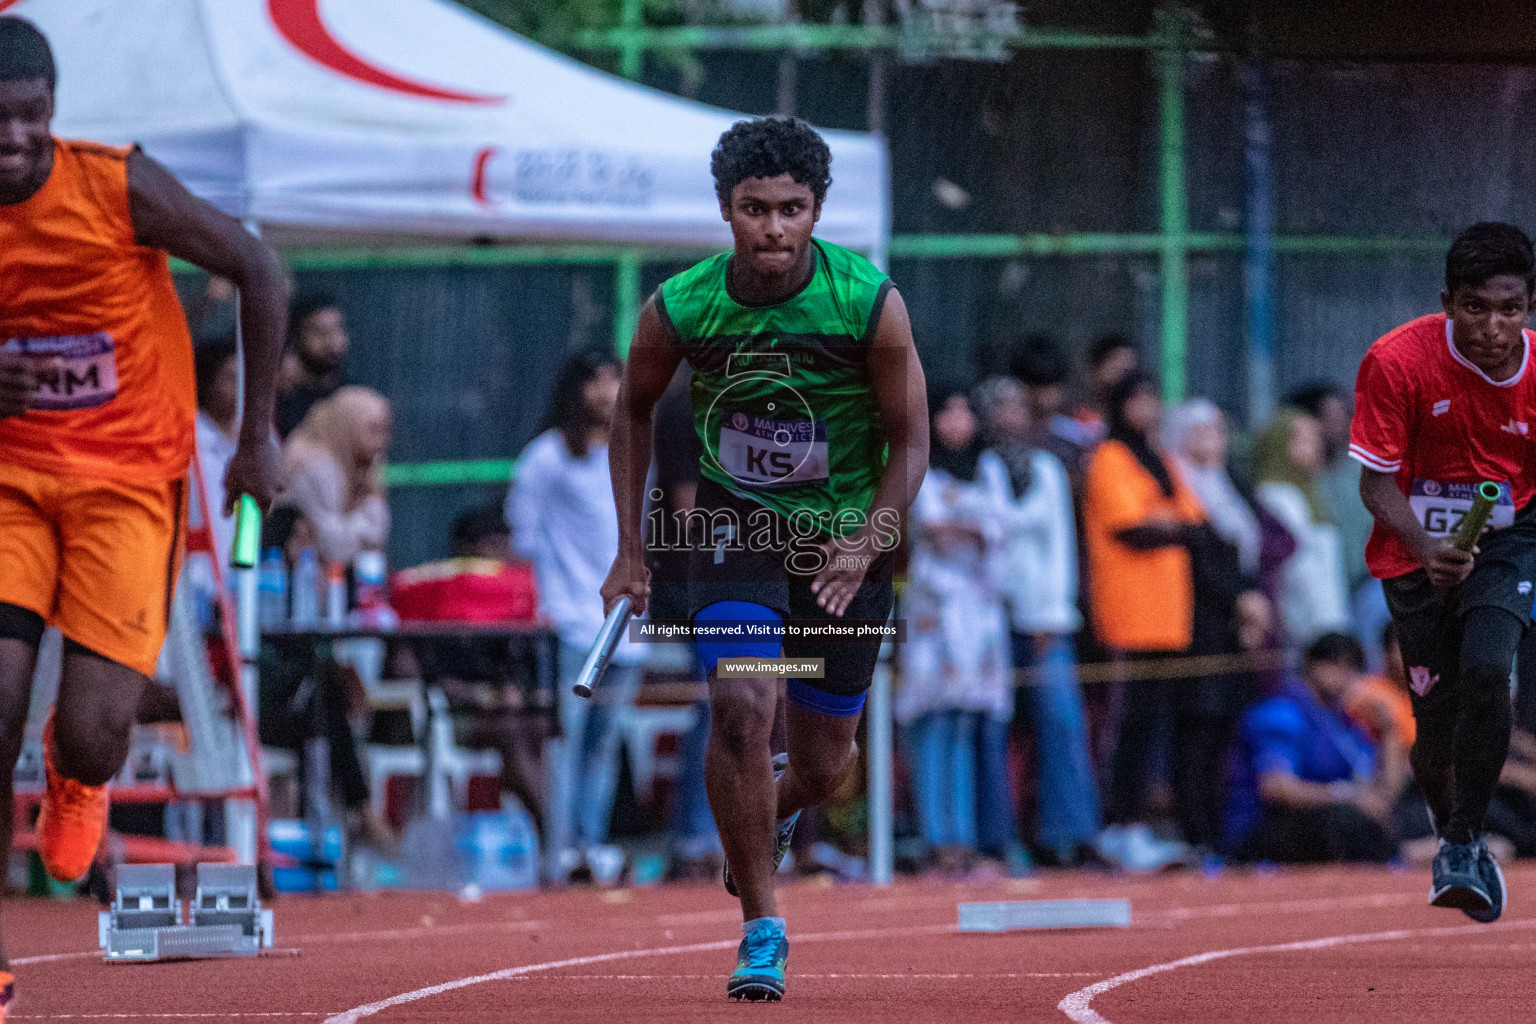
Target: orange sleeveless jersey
79, 294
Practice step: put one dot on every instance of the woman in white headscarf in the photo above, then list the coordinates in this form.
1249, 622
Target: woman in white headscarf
333, 477
1237, 546
333, 472
955, 666
1195, 433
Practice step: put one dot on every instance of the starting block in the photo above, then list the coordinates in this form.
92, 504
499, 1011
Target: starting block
145, 922
1004, 917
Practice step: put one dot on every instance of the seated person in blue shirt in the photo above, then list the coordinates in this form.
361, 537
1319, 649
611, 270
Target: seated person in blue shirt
1309, 785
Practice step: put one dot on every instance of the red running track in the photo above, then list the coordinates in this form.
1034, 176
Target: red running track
1310, 946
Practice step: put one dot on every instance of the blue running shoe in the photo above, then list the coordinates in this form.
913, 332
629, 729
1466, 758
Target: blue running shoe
781, 839
1493, 880
760, 961
1457, 879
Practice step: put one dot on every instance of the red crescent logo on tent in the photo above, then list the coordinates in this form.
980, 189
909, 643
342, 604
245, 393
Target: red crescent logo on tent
300, 23
477, 181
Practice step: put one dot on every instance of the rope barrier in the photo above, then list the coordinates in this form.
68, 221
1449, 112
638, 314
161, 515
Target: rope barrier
1190, 667
1187, 668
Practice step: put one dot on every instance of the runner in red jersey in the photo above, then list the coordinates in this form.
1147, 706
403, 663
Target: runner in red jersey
1442, 404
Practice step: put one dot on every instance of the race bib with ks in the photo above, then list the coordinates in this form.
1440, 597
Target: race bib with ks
1441, 506
758, 452
74, 371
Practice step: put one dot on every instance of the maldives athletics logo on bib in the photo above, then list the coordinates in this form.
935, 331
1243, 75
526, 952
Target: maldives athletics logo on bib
767, 434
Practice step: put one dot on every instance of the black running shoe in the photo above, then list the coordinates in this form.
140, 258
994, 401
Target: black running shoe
781, 839
1457, 879
1493, 881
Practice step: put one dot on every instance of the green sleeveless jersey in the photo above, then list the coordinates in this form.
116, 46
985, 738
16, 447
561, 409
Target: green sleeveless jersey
782, 400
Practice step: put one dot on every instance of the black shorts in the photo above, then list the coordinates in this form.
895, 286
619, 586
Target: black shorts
778, 576
1430, 621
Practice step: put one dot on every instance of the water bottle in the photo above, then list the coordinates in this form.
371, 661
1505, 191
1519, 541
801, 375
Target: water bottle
368, 573
370, 603
272, 589
520, 855
306, 590
335, 595
498, 850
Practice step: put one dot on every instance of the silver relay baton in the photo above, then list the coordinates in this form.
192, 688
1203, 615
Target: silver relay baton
602, 648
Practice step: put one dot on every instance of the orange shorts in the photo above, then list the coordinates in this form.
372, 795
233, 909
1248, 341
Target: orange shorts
96, 558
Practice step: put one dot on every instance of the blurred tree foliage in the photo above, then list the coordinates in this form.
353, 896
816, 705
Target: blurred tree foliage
553, 22
551, 19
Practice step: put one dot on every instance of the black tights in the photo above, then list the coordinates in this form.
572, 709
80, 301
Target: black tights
1462, 743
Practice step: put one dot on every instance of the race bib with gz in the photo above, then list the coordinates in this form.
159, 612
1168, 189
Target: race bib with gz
1441, 506
74, 371
759, 452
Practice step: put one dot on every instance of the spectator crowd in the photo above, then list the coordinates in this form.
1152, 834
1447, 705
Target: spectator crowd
1161, 625
1135, 636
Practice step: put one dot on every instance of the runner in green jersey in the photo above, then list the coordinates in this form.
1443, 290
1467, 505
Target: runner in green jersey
810, 404
793, 369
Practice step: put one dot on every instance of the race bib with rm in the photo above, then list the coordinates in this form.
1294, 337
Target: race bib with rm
74, 371
759, 452
1441, 506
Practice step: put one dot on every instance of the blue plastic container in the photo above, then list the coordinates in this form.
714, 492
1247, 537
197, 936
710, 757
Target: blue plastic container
498, 850
291, 837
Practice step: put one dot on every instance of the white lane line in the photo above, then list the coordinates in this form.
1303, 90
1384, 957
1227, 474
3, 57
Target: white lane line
23, 961
421, 931
1298, 905
324, 937
369, 1009
700, 917
1301, 906
1175, 914
797, 976
1077, 1005
160, 1016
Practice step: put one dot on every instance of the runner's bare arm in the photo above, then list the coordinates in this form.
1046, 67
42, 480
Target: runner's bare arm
896, 378
166, 216
901, 392
652, 361
1446, 565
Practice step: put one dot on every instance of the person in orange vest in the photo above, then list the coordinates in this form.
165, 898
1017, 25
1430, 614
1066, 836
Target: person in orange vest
97, 406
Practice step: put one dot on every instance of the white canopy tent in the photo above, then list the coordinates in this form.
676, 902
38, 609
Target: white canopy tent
395, 121
407, 119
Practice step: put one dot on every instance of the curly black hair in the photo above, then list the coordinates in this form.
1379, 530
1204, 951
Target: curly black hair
766, 147
24, 53
1485, 250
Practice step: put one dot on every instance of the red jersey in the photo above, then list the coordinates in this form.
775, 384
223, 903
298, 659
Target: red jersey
1426, 414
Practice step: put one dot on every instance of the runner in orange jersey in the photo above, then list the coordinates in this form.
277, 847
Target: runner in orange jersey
96, 432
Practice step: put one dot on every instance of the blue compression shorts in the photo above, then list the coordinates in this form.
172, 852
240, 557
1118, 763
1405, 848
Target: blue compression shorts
722, 612
767, 645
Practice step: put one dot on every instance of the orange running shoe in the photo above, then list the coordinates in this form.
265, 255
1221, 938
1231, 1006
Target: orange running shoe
7, 992
71, 822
